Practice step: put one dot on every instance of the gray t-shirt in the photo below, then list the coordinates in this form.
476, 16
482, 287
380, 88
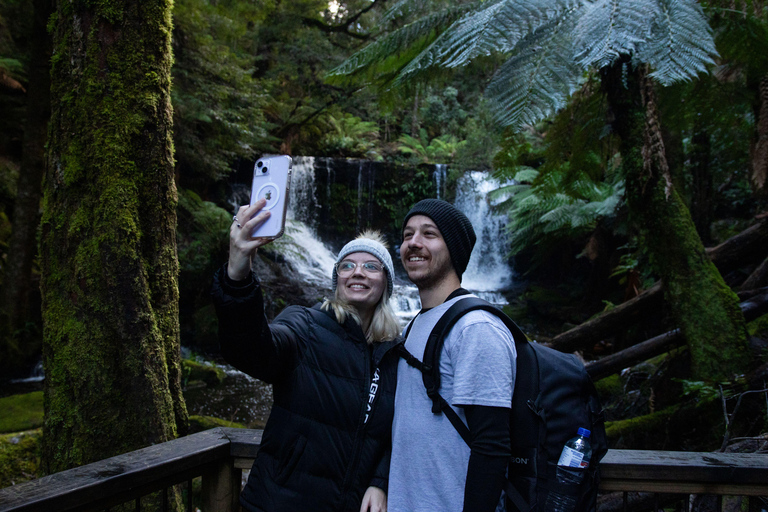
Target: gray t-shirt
429, 458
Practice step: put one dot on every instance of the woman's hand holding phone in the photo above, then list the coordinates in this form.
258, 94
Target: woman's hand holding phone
242, 246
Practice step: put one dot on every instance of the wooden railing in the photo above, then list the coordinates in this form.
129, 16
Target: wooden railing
218, 457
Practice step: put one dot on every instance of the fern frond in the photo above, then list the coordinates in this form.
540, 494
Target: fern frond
379, 56
680, 44
610, 28
496, 27
403, 9
526, 175
537, 80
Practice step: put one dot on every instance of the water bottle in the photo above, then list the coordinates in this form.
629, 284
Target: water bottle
576, 454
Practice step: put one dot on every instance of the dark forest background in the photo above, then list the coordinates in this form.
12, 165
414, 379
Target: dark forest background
639, 179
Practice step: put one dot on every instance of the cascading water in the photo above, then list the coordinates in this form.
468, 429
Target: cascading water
488, 270
307, 254
487, 274
440, 172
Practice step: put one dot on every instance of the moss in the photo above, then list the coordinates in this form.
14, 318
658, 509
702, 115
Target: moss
611, 386
107, 247
617, 432
703, 306
211, 375
20, 457
759, 327
200, 423
21, 412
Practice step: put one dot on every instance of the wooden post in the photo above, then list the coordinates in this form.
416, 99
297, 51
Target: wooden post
221, 487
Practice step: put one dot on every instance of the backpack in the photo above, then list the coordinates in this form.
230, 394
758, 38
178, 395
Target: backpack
553, 396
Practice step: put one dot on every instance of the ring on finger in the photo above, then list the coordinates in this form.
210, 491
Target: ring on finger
234, 218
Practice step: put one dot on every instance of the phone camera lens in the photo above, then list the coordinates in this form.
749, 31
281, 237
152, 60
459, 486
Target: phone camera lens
264, 170
259, 164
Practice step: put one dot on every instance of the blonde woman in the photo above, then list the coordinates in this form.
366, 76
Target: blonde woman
326, 445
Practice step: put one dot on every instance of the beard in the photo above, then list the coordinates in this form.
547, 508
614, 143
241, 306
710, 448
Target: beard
431, 277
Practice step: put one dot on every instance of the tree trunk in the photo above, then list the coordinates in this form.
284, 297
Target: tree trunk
704, 307
108, 247
760, 148
702, 185
15, 347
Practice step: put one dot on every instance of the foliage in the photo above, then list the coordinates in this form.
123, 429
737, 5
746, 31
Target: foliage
443, 113
349, 136
441, 149
633, 269
217, 103
547, 45
699, 391
202, 235
557, 204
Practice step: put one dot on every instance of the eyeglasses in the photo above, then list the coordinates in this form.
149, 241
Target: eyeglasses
346, 268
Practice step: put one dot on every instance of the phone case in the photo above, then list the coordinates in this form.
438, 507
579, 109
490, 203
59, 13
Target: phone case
272, 180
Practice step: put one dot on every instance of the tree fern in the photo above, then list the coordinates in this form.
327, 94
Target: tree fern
680, 44
536, 81
389, 53
548, 44
611, 28
557, 205
496, 27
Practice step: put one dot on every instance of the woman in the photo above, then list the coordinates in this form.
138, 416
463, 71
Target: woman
333, 369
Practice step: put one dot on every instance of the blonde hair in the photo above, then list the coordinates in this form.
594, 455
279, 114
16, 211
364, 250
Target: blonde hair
384, 324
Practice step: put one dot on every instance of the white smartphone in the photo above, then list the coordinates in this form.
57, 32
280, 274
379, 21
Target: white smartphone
272, 181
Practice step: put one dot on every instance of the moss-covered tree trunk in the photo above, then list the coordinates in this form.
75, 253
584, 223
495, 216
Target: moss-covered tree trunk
108, 250
704, 307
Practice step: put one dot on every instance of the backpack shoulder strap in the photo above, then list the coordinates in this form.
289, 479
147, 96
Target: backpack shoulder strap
430, 365
430, 368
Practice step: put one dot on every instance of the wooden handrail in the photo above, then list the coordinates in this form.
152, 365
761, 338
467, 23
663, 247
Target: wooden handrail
737, 474
124, 477
218, 455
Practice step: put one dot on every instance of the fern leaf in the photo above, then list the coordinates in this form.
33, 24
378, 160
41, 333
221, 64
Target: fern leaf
610, 28
497, 27
526, 175
680, 44
537, 80
377, 57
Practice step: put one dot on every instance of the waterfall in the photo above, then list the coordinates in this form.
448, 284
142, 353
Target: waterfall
37, 374
306, 254
303, 203
440, 171
488, 270
487, 274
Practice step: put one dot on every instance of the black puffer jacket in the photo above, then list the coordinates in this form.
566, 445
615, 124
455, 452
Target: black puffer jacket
322, 446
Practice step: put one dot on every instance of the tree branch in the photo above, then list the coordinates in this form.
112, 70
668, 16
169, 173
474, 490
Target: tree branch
343, 28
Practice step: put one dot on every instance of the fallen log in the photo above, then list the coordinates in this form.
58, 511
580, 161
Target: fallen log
608, 365
757, 278
748, 246
610, 322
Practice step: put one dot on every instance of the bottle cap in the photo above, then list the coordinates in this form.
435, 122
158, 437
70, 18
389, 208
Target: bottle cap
584, 432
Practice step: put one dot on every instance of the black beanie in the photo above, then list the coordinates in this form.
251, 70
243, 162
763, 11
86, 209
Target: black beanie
453, 225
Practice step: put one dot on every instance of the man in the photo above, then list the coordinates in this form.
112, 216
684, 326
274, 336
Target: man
432, 468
